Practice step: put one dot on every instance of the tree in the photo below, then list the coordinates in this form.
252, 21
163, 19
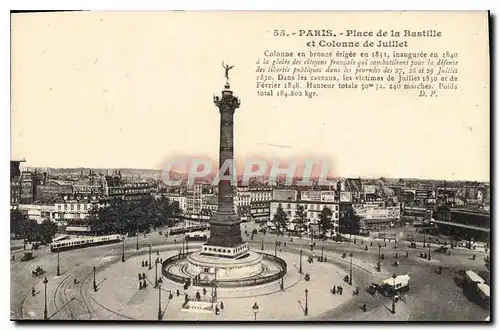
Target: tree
280, 219
300, 216
17, 223
46, 231
350, 222
325, 221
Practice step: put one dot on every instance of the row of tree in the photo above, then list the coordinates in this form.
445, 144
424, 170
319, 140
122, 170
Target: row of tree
349, 222
131, 216
24, 228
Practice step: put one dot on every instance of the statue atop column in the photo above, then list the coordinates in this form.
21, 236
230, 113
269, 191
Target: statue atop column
227, 68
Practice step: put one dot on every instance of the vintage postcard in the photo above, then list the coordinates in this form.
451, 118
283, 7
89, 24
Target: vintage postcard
250, 166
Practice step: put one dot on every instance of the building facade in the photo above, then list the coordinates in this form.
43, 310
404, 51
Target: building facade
52, 190
75, 208
38, 212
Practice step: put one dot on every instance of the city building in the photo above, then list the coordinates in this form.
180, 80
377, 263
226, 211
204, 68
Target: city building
116, 188
75, 208
38, 212
376, 215
242, 202
15, 180
194, 197
28, 186
313, 202
464, 223
89, 184
52, 190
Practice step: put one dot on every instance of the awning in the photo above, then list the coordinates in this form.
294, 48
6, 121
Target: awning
465, 226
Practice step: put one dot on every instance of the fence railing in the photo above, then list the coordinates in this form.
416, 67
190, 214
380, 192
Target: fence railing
256, 280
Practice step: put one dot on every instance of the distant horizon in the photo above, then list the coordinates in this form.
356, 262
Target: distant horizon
110, 98
184, 173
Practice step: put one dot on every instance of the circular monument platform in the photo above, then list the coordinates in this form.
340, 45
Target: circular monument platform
245, 266
252, 268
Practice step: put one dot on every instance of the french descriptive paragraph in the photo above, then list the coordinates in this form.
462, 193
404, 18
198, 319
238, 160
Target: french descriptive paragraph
309, 74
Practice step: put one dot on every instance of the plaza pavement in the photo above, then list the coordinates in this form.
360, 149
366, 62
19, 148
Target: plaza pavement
432, 297
123, 297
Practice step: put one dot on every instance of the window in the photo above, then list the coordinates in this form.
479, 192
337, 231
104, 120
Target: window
78, 207
72, 207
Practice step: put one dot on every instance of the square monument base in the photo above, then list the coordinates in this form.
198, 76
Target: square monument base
225, 252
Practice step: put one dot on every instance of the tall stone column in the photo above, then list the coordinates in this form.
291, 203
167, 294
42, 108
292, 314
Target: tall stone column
225, 224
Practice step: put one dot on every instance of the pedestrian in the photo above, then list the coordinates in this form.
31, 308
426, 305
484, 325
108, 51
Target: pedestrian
284, 244
33, 292
140, 277
74, 281
142, 263
186, 298
204, 291
144, 284
178, 293
140, 285
143, 276
221, 305
198, 296
333, 290
216, 310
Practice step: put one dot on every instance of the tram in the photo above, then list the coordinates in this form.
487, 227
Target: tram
76, 243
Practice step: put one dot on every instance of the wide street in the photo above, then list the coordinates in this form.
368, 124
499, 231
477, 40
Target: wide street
431, 296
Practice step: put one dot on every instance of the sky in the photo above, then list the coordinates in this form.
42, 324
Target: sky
134, 90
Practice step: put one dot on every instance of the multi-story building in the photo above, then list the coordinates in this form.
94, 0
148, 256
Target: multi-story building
375, 214
15, 181
242, 202
52, 190
465, 223
194, 197
75, 208
209, 204
312, 202
28, 185
115, 188
38, 212
90, 184
260, 203
260, 211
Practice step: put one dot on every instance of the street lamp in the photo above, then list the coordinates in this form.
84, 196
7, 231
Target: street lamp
45, 315
159, 300
156, 272
276, 248
306, 310
95, 285
262, 244
394, 294
137, 239
123, 249
255, 309
322, 248
149, 265
187, 246
350, 271
300, 265
58, 269
429, 256
378, 263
